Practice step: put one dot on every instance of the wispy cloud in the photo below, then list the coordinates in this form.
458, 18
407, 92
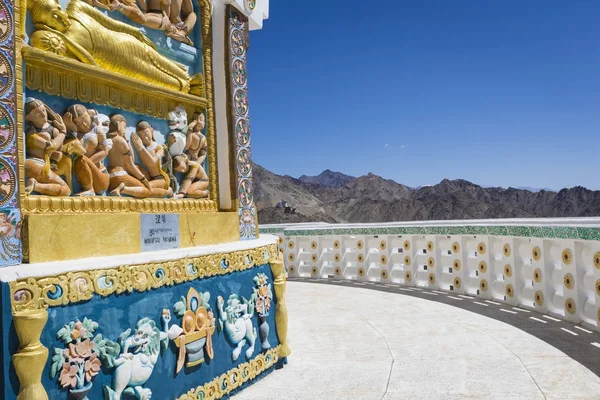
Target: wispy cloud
386, 145
403, 146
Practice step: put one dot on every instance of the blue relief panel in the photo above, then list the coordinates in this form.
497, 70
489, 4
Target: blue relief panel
10, 216
94, 344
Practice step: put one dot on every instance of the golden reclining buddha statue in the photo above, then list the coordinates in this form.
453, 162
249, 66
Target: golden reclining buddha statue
84, 33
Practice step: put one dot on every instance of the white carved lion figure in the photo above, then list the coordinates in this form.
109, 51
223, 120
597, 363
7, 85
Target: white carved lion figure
138, 355
237, 318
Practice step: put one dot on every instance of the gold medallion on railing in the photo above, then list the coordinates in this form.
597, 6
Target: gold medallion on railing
481, 248
431, 262
598, 314
406, 245
431, 278
457, 283
292, 269
455, 247
361, 271
570, 306
537, 275
382, 245
598, 287
483, 285
567, 256
568, 281
290, 245
536, 253
360, 258
383, 259
280, 240
407, 260
407, 276
338, 271
509, 290
384, 274
313, 245
456, 265
336, 244
482, 267
597, 260
314, 271
359, 244
314, 258
430, 246
291, 257
506, 250
539, 298
336, 257
508, 270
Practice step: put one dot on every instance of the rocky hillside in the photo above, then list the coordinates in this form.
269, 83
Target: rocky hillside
371, 198
328, 178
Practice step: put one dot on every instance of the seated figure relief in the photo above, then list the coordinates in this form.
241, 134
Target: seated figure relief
95, 150
84, 33
44, 134
89, 170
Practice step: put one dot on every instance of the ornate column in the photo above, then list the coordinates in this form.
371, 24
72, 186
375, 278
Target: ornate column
281, 316
239, 122
30, 359
10, 215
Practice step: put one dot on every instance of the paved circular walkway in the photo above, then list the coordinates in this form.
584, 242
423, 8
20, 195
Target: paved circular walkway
357, 343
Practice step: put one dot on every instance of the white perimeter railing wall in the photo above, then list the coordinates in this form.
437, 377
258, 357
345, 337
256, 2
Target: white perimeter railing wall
549, 265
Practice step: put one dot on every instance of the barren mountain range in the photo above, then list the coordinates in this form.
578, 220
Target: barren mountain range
335, 197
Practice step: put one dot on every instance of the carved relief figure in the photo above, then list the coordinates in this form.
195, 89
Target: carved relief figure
195, 181
261, 297
176, 138
236, 320
194, 337
79, 362
89, 170
9, 229
151, 154
125, 177
43, 136
87, 35
196, 145
138, 354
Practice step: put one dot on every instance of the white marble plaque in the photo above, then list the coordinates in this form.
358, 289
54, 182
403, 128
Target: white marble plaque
160, 232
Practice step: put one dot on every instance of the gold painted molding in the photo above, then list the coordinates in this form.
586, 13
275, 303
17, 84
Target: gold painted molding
72, 79
74, 287
88, 204
281, 314
235, 377
211, 133
30, 359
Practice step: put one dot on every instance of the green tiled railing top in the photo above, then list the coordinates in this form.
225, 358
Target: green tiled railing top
543, 232
271, 230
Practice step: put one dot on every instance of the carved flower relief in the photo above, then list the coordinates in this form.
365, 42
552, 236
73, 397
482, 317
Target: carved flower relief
68, 375
48, 41
78, 352
92, 367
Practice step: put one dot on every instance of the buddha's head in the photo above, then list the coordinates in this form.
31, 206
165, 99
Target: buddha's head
200, 122
180, 163
118, 125
78, 119
145, 132
35, 113
49, 13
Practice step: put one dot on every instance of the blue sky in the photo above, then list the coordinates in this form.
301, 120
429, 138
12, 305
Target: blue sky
498, 92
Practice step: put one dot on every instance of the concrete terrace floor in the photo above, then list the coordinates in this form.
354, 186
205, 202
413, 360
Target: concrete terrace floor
381, 342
